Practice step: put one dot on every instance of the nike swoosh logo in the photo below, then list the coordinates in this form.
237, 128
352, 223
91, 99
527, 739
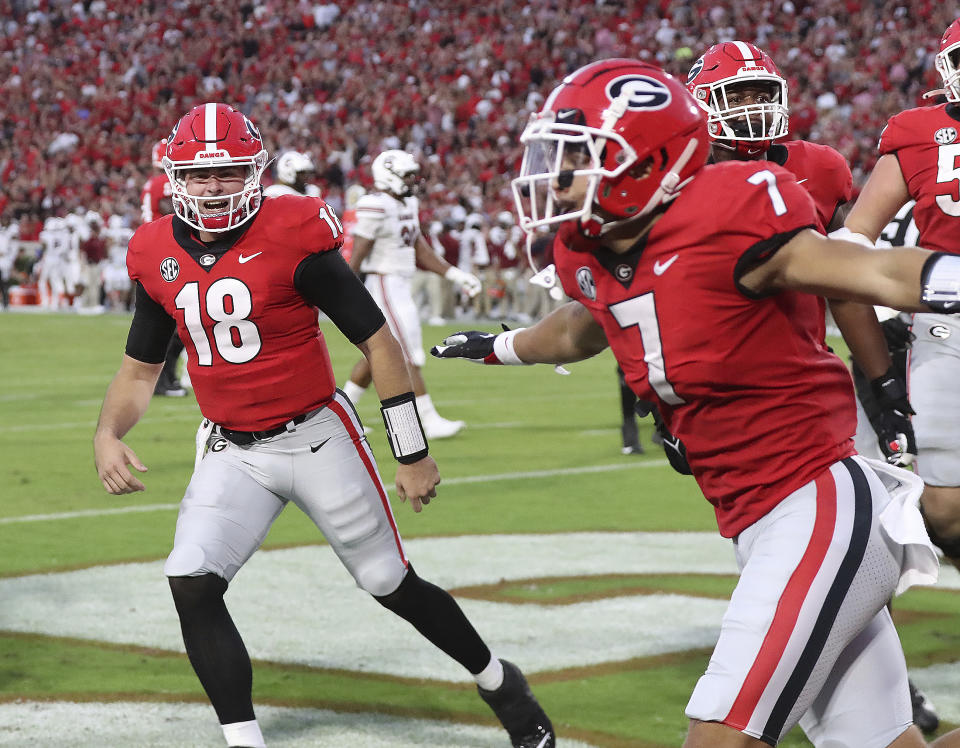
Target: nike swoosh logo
565, 113
661, 267
317, 448
243, 259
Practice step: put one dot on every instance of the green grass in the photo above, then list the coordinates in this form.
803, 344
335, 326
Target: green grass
55, 369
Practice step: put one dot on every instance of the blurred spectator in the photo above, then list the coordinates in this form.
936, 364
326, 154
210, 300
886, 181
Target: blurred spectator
86, 85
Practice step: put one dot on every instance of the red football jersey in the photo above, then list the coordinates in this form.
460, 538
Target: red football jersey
257, 357
156, 188
747, 383
822, 171
927, 146
825, 175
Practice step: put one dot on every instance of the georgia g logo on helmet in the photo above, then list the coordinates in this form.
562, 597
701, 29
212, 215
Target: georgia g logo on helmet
695, 70
643, 92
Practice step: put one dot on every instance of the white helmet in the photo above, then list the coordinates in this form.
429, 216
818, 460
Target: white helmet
395, 172
290, 163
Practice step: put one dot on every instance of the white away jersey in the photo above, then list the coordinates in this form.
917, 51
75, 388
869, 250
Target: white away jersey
394, 226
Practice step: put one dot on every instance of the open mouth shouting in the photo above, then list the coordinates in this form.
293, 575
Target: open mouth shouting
215, 207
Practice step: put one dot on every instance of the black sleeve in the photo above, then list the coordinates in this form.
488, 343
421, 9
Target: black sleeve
150, 331
326, 281
758, 254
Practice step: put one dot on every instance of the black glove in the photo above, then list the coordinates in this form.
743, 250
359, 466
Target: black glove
898, 334
890, 419
479, 347
672, 446
472, 345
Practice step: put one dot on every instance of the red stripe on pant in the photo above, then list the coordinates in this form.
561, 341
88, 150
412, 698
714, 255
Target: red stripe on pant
789, 605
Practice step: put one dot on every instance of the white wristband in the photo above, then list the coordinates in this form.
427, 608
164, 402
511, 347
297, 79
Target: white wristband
940, 281
847, 235
503, 348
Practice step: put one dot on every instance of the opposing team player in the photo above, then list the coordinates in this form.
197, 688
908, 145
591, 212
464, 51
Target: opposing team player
241, 279
388, 247
295, 170
156, 201
699, 277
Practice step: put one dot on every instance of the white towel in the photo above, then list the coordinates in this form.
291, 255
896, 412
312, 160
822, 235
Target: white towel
902, 522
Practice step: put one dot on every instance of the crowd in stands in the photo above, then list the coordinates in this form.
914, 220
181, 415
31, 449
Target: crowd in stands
89, 87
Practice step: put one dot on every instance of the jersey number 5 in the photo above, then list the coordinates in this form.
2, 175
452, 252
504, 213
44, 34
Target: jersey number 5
237, 338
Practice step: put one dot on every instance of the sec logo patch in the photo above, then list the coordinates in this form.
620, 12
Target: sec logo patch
169, 269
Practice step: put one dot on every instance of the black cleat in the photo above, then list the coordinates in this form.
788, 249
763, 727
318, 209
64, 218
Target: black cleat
519, 711
924, 715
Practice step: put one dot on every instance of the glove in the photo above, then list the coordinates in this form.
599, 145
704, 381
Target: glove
675, 449
891, 420
480, 347
898, 334
469, 283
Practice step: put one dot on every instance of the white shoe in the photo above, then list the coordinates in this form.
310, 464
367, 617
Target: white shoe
441, 428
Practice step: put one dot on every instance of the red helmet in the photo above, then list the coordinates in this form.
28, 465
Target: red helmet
947, 61
156, 153
635, 128
215, 135
716, 80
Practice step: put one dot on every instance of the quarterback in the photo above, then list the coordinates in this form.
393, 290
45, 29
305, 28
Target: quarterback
241, 278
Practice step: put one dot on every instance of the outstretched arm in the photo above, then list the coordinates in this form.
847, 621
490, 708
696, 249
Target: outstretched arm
841, 269
569, 333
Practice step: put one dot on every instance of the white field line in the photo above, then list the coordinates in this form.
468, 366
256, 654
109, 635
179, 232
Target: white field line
528, 475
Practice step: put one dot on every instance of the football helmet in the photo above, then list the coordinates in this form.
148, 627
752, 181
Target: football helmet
290, 164
396, 172
716, 80
208, 136
947, 61
629, 127
156, 153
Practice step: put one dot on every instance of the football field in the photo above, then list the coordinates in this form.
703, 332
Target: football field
601, 575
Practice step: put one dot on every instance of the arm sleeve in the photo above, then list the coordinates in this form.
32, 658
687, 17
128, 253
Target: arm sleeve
326, 281
150, 330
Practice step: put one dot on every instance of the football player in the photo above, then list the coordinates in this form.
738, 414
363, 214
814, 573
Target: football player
241, 279
700, 279
918, 161
156, 201
746, 100
388, 247
295, 171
